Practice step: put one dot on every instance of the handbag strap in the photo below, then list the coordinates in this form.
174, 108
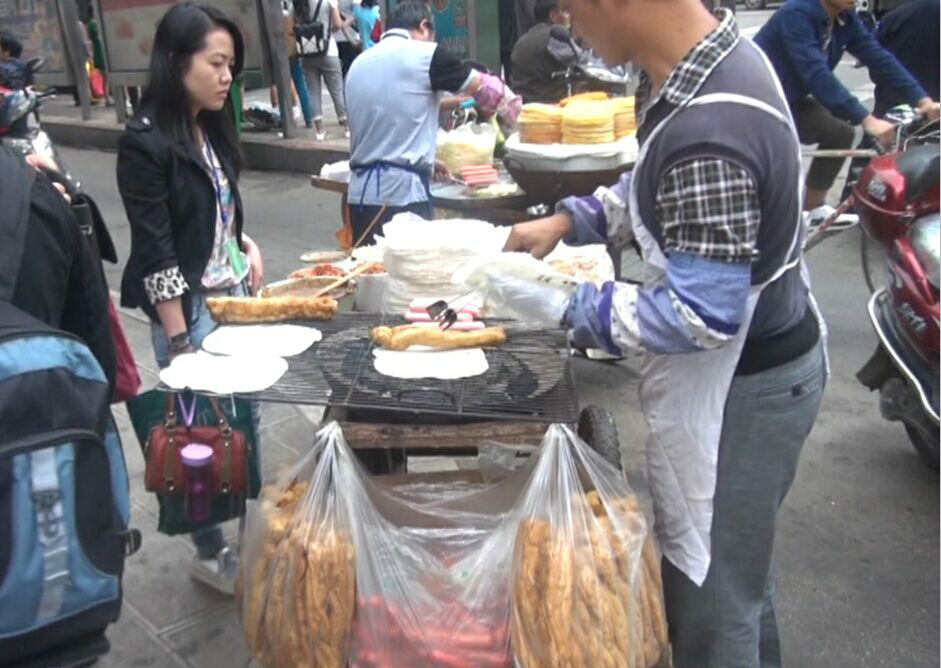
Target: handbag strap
225, 483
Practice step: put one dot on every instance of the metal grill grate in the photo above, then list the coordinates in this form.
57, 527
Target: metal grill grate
530, 377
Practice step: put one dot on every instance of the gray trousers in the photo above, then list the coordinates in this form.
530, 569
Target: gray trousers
330, 70
730, 621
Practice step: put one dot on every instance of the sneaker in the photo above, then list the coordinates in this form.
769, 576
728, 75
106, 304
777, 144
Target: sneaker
218, 572
346, 131
817, 217
308, 124
321, 136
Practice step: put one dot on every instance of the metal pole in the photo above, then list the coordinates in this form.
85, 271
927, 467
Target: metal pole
75, 53
275, 60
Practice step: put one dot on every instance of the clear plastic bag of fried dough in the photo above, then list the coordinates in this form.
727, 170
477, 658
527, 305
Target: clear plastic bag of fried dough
296, 590
446, 572
587, 591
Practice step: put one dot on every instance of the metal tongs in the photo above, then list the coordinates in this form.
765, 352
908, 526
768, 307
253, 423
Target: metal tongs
444, 312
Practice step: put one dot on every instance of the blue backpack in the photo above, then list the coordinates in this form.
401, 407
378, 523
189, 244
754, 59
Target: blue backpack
64, 503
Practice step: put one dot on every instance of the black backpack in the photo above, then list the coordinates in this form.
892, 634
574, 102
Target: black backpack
312, 36
64, 501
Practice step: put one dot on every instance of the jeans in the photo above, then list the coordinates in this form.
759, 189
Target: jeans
730, 621
208, 540
816, 125
300, 84
327, 67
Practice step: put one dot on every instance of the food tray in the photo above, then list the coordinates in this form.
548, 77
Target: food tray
530, 377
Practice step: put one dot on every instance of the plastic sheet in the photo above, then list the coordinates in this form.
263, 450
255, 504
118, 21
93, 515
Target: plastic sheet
518, 286
549, 567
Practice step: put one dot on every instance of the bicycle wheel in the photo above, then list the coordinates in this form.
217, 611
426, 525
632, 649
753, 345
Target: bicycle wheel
872, 256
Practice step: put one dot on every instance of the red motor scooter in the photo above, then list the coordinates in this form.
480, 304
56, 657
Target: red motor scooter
897, 198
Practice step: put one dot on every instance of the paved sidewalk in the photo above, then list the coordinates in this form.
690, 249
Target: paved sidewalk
264, 150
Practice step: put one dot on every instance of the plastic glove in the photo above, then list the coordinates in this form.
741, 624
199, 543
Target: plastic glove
529, 301
494, 97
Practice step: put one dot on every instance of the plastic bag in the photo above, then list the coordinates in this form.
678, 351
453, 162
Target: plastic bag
466, 146
445, 576
297, 584
586, 578
518, 286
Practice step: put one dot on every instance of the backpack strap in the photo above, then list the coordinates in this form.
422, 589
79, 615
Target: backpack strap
16, 183
48, 501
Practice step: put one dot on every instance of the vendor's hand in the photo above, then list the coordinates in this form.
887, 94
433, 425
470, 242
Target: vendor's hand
442, 173
256, 272
882, 131
531, 302
539, 237
929, 109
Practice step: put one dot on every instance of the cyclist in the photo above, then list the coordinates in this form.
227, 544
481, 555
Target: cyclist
805, 40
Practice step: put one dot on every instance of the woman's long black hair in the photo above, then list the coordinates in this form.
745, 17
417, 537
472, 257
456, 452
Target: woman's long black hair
182, 33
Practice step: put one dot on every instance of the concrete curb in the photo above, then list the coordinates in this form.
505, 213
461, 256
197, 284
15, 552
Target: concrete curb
263, 151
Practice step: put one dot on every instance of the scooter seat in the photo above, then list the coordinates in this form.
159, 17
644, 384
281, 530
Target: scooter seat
921, 167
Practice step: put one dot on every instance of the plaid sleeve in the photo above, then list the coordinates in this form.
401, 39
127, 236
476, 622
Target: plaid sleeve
709, 207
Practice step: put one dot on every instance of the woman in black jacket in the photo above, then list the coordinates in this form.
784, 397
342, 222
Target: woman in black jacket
178, 167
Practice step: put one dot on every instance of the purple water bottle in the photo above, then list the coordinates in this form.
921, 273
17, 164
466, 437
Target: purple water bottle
197, 465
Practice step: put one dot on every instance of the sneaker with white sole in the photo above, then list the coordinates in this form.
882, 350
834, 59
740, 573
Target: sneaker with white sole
817, 217
218, 572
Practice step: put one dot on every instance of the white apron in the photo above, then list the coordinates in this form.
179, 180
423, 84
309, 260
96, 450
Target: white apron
683, 395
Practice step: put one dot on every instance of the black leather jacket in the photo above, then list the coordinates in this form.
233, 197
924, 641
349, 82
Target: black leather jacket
171, 205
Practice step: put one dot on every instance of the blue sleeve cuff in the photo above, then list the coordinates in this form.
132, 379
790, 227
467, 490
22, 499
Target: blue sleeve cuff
589, 224
588, 318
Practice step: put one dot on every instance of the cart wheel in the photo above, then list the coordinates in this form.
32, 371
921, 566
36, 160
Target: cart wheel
597, 428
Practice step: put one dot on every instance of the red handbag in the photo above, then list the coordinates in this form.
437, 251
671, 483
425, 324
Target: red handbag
376, 33
164, 469
127, 381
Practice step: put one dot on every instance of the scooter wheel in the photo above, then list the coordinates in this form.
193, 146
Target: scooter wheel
927, 448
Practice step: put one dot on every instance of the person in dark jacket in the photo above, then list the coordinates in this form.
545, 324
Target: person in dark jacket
805, 40
178, 168
911, 32
56, 276
538, 55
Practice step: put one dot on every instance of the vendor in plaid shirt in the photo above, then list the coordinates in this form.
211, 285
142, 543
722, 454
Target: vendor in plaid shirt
735, 355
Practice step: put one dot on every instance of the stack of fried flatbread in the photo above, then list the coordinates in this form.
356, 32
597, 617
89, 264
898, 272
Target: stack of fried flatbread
540, 124
588, 122
624, 117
